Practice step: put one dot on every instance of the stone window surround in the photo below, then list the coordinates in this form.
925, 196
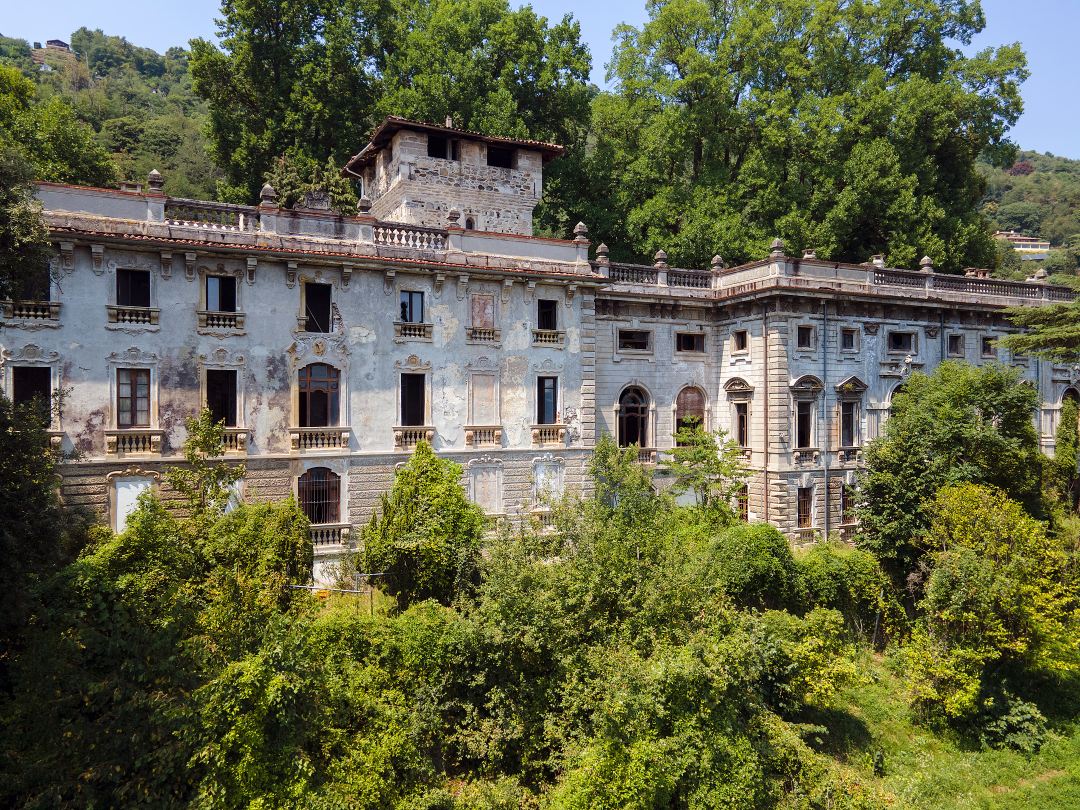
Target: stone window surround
481, 369
412, 365
914, 350
128, 472
984, 353
133, 358
813, 337
706, 422
486, 464
110, 271
737, 391
691, 354
32, 355
735, 351
851, 389
805, 389
651, 427
856, 332
223, 360
651, 338
220, 271
948, 344
558, 465
303, 278
339, 467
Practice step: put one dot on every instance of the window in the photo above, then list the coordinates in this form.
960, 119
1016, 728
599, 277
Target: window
742, 424
437, 146
806, 507
902, 342
547, 314
742, 502
319, 493
689, 409
804, 423
740, 341
500, 158
847, 504
633, 418
956, 345
317, 307
634, 340
127, 491
412, 306
220, 294
849, 423
988, 349
319, 395
221, 395
132, 397
804, 337
547, 400
413, 401
470, 223
690, 342
848, 340
133, 288
32, 384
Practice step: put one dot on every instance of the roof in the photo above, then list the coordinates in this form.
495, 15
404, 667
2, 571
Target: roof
392, 124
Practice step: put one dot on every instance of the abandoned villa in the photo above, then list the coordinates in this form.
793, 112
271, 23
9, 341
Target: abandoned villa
330, 345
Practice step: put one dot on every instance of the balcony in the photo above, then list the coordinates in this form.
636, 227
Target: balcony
40, 311
482, 334
411, 331
483, 435
330, 534
319, 438
133, 315
236, 440
221, 321
849, 455
646, 455
406, 437
806, 455
549, 337
133, 442
543, 435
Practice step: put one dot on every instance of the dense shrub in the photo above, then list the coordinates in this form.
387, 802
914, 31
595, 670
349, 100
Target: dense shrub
754, 565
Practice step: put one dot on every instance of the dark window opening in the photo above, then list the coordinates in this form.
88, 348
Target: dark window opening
547, 314
220, 294
133, 288
319, 395
412, 306
633, 340
847, 504
133, 397
742, 424
901, 341
547, 400
847, 340
221, 395
317, 307
740, 340
804, 420
437, 146
988, 349
500, 158
470, 224
956, 345
689, 410
742, 502
633, 418
455, 150
806, 507
849, 414
689, 342
413, 404
319, 493
32, 384
805, 337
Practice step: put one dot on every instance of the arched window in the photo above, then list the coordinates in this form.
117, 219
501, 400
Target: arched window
319, 493
689, 409
633, 418
319, 402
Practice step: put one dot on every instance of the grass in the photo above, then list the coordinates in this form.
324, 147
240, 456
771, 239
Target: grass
927, 769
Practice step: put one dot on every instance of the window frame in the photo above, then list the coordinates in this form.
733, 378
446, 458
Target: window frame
236, 418
987, 348
554, 312
306, 308
699, 337
333, 391
219, 278
644, 416
424, 399
804, 519
909, 333
850, 421
133, 410
542, 386
745, 340
407, 303
332, 501
853, 333
130, 273
810, 423
45, 371
959, 337
619, 347
740, 410
805, 329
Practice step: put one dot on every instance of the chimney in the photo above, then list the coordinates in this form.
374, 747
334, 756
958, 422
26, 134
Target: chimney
449, 122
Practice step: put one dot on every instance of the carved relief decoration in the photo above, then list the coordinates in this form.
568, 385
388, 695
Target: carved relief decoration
166, 264
330, 349
134, 472
482, 364
133, 357
189, 265
30, 353
290, 275
97, 254
223, 357
412, 363
462, 286
871, 328
67, 255
547, 365
484, 461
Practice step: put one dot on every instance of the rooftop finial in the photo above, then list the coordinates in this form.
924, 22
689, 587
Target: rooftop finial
601, 252
267, 196
449, 122
660, 259
927, 264
155, 181
809, 253
581, 232
717, 263
776, 249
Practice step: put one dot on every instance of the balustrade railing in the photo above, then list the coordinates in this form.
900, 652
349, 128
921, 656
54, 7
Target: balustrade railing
143, 315
548, 434
133, 441
633, 274
319, 438
210, 215
407, 437
548, 337
330, 534
31, 310
646, 455
220, 320
236, 440
483, 435
688, 278
482, 334
412, 331
409, 236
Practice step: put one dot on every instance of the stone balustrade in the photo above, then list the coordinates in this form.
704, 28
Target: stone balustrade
231, 321
482, 334
133, 315
236, 440
548, 337
412, 331
483, 435
407, 437
330, 534
133, 441
30, 310
211, 215
409, 236
318, 438
548, 435
646, 455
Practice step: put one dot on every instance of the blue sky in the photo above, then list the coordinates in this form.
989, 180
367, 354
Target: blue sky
1046, 28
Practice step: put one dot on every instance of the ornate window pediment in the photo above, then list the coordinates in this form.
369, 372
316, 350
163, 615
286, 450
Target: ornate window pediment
737, 387
851, 387
807, 386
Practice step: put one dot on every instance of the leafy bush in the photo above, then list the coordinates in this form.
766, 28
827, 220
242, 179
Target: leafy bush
1010, 722
753, 565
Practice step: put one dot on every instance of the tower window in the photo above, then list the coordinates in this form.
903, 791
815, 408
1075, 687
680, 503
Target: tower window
500, 158
437, 146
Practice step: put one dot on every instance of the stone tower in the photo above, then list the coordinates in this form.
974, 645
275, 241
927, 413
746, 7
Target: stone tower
416, 173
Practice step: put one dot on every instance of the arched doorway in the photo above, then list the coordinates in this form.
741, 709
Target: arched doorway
689, 409
633, 417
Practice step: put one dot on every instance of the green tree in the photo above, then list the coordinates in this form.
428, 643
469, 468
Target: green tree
24, 240
960, 424
1052, 332
425, 534
1064, 469
707, 464
204, 483
852, 128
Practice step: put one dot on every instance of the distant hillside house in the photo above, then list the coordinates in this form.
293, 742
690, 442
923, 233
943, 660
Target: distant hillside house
1030, 248
53, 48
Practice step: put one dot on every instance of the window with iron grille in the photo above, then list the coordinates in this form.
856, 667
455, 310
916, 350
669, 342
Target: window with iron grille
806, 507
317, 307
319, 493
319, 386
847, 504
412, 306
742, 501
132, 397
133, 288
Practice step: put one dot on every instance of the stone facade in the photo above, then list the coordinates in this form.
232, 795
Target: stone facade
344, 340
